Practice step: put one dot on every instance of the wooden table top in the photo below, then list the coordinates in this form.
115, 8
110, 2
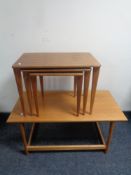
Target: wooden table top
56, 60
61, 107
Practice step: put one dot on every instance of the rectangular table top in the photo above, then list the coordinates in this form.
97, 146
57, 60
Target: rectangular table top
61, 107
56, 60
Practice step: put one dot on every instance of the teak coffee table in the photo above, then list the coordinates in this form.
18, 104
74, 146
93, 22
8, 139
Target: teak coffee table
58, 62
105, 110
59, 107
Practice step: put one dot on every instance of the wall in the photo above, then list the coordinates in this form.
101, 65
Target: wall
102, 27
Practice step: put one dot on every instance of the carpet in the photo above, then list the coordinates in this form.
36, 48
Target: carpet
116, 161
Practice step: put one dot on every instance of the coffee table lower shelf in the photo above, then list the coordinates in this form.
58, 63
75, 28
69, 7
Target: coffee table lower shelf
59, 107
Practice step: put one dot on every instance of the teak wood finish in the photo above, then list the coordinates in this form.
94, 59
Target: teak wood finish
57, 61
105, 110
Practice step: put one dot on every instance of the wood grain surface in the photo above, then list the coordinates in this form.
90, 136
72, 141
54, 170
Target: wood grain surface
60, 107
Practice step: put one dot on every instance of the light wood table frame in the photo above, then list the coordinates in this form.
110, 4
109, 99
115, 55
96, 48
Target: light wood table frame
28, 147
58, 61
105, 110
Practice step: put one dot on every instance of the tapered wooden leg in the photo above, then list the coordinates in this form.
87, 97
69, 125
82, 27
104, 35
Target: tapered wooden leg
86, 87
18, 79
94, 85
34, 89
112, 124
42, 85
31, 133
22, 130
79, 90
75, 85
28, 89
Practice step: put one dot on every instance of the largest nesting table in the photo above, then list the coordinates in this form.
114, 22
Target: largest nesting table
58, 61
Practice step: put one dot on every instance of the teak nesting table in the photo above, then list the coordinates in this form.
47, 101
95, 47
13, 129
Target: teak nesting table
105, 108
48, 62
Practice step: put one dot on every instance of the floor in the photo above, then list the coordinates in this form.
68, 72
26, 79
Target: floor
116, 161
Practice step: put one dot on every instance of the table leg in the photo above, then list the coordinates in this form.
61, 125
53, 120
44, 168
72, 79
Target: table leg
86, 87
41, 85
111, 127
28, 90
22, 130
34, 89
18, 78
79, 90
31, 133
75, 85
94, 85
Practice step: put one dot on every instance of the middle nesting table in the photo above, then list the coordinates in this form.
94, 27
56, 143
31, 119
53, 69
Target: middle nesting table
30, 79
